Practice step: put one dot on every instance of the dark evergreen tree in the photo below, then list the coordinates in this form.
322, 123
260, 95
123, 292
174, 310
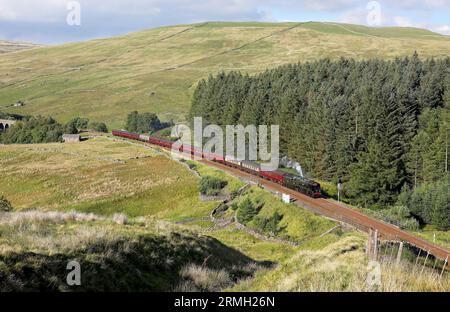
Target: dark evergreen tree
380, 125
246, 212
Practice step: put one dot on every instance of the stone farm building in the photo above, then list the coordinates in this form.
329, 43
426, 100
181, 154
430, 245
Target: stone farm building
71, 138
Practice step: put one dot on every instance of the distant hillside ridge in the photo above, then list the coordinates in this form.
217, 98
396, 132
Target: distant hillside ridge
157, 70
12, 46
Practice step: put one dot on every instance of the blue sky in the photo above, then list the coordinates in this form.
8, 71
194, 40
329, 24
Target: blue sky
45, 21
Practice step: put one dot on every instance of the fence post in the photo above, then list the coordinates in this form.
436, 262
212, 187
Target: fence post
443, 267
400, 252
425, 262
375, 249
417, 259
391, 258
369, 244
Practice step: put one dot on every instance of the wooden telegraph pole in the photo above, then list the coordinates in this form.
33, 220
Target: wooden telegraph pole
446, 150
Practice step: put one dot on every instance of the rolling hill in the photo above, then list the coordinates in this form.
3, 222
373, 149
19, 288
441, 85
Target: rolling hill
11, 46
156, 70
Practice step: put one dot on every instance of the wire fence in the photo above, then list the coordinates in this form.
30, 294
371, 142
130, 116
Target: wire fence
395, 252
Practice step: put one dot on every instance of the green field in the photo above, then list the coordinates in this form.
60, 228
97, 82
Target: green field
156, 70
99, 176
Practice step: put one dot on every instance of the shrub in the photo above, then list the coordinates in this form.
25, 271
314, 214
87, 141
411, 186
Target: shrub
5, 205
98, 126
75, 125
398, 215
145, 122
192, 165
234, 206
211, 186
246, 212
269, 225
70, 128
34, 130
259, 203
430, 203
234, 194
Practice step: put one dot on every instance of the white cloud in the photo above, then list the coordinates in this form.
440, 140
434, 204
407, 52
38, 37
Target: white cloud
266, 16
327, 5
31, 11
50, 10
402, 21
360, 17
354, 17
420, 4
443, 29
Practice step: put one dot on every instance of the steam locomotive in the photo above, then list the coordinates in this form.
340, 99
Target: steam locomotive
291, 181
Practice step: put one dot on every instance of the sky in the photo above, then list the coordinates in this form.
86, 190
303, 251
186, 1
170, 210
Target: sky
61, 21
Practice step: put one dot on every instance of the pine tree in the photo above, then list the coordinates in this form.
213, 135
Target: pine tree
246, 211
381, 125
441, 207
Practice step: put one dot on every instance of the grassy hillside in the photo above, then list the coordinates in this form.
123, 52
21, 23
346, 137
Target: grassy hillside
11, 46
103, 177
340, 265
140, 255
140, 225
156, 70
99, 176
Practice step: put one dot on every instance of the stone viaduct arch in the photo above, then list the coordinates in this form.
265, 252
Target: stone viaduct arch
6, 124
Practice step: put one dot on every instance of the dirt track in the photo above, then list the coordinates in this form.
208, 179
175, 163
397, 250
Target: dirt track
340, 212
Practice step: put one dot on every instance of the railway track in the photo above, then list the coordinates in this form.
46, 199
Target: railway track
338, 212
341, 213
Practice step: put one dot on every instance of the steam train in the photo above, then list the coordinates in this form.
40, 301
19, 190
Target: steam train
291, 181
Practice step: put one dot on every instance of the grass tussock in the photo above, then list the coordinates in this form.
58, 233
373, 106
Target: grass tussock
54, 217
199, 278
52, 232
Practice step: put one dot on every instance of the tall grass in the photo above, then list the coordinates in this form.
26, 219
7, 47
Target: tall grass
342, 266
144, 255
